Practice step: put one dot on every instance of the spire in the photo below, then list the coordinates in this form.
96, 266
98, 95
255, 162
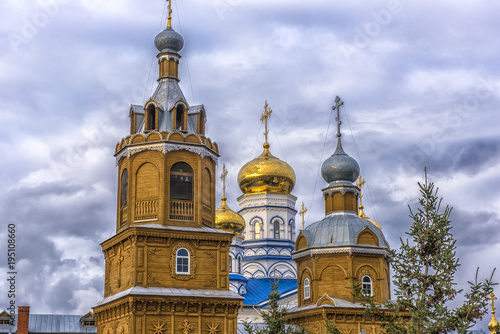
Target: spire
339, 167
169, 23
264, 118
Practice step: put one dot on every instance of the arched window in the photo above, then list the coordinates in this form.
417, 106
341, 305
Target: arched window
230, 264
276, 226
366, 285
240, 269
181, 181
124, 189
290, 231
151, 117
257, 232
182, 261
307, 289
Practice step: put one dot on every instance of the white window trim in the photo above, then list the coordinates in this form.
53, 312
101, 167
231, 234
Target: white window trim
189, 262
371, 285
307, 292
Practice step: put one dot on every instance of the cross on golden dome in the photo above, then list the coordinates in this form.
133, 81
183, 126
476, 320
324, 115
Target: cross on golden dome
360, 183
264, 118
302, 213
223, 176
493, 325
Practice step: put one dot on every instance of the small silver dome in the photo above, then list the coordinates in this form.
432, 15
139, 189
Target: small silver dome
169, 41
340, 167
340, 230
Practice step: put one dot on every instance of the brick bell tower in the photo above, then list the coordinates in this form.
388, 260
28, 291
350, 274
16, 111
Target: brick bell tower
166, 268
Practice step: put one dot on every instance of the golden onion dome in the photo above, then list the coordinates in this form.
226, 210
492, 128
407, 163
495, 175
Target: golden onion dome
362, 215
266, 174
228, 220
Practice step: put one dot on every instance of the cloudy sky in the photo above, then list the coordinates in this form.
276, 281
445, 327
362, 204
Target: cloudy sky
420, 81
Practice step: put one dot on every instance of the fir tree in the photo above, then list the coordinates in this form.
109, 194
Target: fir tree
274, 317
424, 271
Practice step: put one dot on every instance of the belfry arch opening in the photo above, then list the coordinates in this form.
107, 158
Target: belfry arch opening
180, 122
181, 192
150, 117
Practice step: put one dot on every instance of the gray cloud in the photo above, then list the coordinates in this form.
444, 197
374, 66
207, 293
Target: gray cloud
421, 88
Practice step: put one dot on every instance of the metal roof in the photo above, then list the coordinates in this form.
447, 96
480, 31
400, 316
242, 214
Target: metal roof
51, 324
258, 290
167, 292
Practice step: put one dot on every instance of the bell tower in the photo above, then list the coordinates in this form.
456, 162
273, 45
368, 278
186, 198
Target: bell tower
166, 268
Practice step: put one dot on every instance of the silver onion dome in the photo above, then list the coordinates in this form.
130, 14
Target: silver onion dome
340, 230
169, 41
340, 167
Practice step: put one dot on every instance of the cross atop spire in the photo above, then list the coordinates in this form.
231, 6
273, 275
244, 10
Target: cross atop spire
223, 176
265, 117
302, 213
169, 23
493, 298
360, 183
338, 103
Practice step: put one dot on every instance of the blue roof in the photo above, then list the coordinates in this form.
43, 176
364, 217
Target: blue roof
259, 288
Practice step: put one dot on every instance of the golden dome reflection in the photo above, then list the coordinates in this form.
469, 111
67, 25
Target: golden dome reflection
228, 220
266, 174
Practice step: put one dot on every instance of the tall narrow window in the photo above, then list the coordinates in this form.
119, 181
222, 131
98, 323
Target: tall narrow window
182, 261
276, 227
290, 231
124, 189
179, 118
307, 289
181, 181
239, 265
151, 117
230, 264
257, 230
366, 285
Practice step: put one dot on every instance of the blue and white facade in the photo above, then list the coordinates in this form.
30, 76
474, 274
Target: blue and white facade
263, 252
269, 235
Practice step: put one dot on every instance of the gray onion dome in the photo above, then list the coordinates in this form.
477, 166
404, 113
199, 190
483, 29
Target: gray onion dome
169, 41
340, 167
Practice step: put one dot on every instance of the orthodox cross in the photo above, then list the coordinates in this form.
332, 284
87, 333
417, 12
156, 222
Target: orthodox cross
302, 213
493, 298
223, 178
265, 116
169, 23
336, 107
361, 182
